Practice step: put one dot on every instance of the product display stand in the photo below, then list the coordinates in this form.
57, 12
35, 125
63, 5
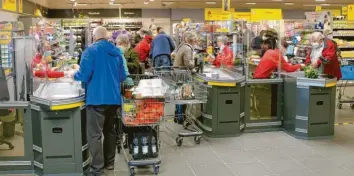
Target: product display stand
60, 146
309, 105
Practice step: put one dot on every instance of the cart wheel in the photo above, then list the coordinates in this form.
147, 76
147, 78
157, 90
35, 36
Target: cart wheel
132, 172
197, 139
156, 170
179, 141
339, 105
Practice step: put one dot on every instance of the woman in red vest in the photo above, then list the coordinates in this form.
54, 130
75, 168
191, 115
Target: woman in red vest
225, 55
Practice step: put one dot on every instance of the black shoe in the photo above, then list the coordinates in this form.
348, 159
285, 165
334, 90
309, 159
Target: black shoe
110, 166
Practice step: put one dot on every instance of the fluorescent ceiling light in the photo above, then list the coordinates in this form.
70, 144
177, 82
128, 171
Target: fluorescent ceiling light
168, 3
251, 3
151, 0
116, 4
210, 2
289, 3
72, 0
325, 4
320, 0
81, 4
146, 2
277, 0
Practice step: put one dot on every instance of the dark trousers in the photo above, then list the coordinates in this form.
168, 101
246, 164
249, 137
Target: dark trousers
101, 119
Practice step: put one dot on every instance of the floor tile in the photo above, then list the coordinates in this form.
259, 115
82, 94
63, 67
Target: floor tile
237, 157
317, 163
250, 169
339, 171
299, 151
218, 169
269, 155
285, 166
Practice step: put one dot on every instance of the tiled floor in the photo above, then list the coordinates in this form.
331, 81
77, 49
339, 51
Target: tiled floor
257, 154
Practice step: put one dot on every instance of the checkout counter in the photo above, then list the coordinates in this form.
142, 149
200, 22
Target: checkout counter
58, 117
309, 105
223, 114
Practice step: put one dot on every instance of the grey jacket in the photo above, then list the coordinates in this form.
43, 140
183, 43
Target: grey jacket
184, 56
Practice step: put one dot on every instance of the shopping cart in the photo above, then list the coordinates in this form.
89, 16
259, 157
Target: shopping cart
185, 92
140, 120
347, 70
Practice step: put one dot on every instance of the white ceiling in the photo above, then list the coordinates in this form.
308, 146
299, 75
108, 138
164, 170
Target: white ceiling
153, 4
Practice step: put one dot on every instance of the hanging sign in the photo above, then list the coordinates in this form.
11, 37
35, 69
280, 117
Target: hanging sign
20, 6
350, 15
216, 14
258, 15
318, 8
242, 16
345, 10
10, 5
335, 12
186, 20
226, 6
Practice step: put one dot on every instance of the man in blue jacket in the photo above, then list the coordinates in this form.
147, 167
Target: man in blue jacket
102, 71
161, 49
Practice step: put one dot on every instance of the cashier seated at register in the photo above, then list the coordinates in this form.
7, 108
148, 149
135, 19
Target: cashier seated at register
225, 55
270, 60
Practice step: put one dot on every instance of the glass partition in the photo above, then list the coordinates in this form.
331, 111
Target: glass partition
51, 66
15, 125
264, 64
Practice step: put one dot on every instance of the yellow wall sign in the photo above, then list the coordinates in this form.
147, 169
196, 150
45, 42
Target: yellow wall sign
242, 16
20, 6
318, 8
226, 6
350, 15
216, 14
345, 10
10, 5
266, 14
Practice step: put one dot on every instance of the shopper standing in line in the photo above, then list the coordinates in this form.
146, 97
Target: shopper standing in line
161, 49
184, 53
143, 48
130, 54
102, 70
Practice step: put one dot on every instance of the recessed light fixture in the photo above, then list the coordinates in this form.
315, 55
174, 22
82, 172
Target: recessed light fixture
320, 0
325, 4
116, 4
146, 2
72, 0
277, 0
151, 0
210, 2
289, 3
251, 3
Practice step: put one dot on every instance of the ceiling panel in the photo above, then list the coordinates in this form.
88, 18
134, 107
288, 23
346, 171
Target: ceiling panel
238, 4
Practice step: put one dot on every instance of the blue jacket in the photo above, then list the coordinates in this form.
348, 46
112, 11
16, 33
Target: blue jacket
162, 44
102, 70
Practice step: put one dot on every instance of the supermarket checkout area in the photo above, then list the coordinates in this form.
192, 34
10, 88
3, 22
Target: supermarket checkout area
303, 107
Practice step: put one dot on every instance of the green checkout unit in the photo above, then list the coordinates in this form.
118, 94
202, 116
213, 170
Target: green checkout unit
223, 114
309, 105
58, 116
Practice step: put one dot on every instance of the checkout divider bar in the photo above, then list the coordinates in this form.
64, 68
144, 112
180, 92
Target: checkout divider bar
14, 104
